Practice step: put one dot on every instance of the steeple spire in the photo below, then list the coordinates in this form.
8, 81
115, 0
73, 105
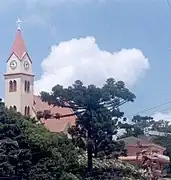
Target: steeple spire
19, 48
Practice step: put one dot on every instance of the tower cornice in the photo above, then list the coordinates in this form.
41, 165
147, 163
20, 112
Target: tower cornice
16, 74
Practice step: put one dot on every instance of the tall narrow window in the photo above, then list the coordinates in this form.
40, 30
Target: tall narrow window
10, 86
15, 108
25, 111
28, 86
25, 86
28, 111
14, 85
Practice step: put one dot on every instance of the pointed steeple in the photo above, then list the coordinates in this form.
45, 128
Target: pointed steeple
19, 48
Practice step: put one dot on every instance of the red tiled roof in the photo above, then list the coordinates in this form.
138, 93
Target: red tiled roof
134, 141
19, 48
55, 125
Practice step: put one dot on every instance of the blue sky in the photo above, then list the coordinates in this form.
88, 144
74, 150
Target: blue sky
144, 25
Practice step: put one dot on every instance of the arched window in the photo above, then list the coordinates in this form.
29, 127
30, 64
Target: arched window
25, 111
25, 86
15, 108
14, 86
10, 86
28, 111
28, 86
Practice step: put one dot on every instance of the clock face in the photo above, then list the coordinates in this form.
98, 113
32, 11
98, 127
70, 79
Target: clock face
26, 65
13, 64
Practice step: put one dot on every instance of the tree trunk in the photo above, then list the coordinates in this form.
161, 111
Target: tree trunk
89, 148
95, 150
89, 154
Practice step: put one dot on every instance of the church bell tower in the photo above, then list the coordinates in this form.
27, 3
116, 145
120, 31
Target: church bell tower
19, 79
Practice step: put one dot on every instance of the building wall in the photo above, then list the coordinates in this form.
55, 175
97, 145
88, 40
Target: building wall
13, 98
133, 150
20, 65
20, 98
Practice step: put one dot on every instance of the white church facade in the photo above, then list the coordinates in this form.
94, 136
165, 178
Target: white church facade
19, 88
19, 78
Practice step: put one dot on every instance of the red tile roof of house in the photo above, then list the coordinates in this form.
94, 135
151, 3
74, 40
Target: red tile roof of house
54, 125
134, 141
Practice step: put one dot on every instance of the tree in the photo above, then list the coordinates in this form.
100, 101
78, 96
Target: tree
97, 111
14, 150
30, 151
161, 126
164, 138
136, 126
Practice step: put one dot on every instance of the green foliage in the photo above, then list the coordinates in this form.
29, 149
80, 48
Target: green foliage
165, 140
137, 126
110, 169
161, 126
31, 151
97, 111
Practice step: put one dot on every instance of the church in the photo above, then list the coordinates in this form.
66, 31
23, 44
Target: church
19, 88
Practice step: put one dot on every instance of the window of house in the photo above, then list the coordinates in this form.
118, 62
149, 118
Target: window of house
14, 86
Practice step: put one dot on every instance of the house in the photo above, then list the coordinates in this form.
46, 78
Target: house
142, 151
135, 145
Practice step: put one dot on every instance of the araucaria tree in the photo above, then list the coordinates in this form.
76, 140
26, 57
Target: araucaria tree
97, 111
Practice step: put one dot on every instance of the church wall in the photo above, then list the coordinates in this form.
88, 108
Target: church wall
27, 97
20, 98
19, 72
26, 58
13, 98
17, 69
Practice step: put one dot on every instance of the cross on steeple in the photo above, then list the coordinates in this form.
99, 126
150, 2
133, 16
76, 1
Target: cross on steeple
18, 23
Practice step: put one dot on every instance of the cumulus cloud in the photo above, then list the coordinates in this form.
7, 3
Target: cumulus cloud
83, 59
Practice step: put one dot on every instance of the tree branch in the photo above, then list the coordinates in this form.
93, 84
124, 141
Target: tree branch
68, 115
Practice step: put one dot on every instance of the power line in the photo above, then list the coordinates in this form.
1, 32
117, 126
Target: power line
153, 107
163, 110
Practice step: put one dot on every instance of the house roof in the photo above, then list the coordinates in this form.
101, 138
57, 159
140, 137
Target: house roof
19, 48
130, 140
54, 125
144, 141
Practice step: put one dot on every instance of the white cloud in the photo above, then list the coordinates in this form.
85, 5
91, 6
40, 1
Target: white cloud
83, 59
162, 116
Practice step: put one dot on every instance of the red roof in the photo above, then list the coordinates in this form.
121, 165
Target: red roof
19, 48
55, 125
